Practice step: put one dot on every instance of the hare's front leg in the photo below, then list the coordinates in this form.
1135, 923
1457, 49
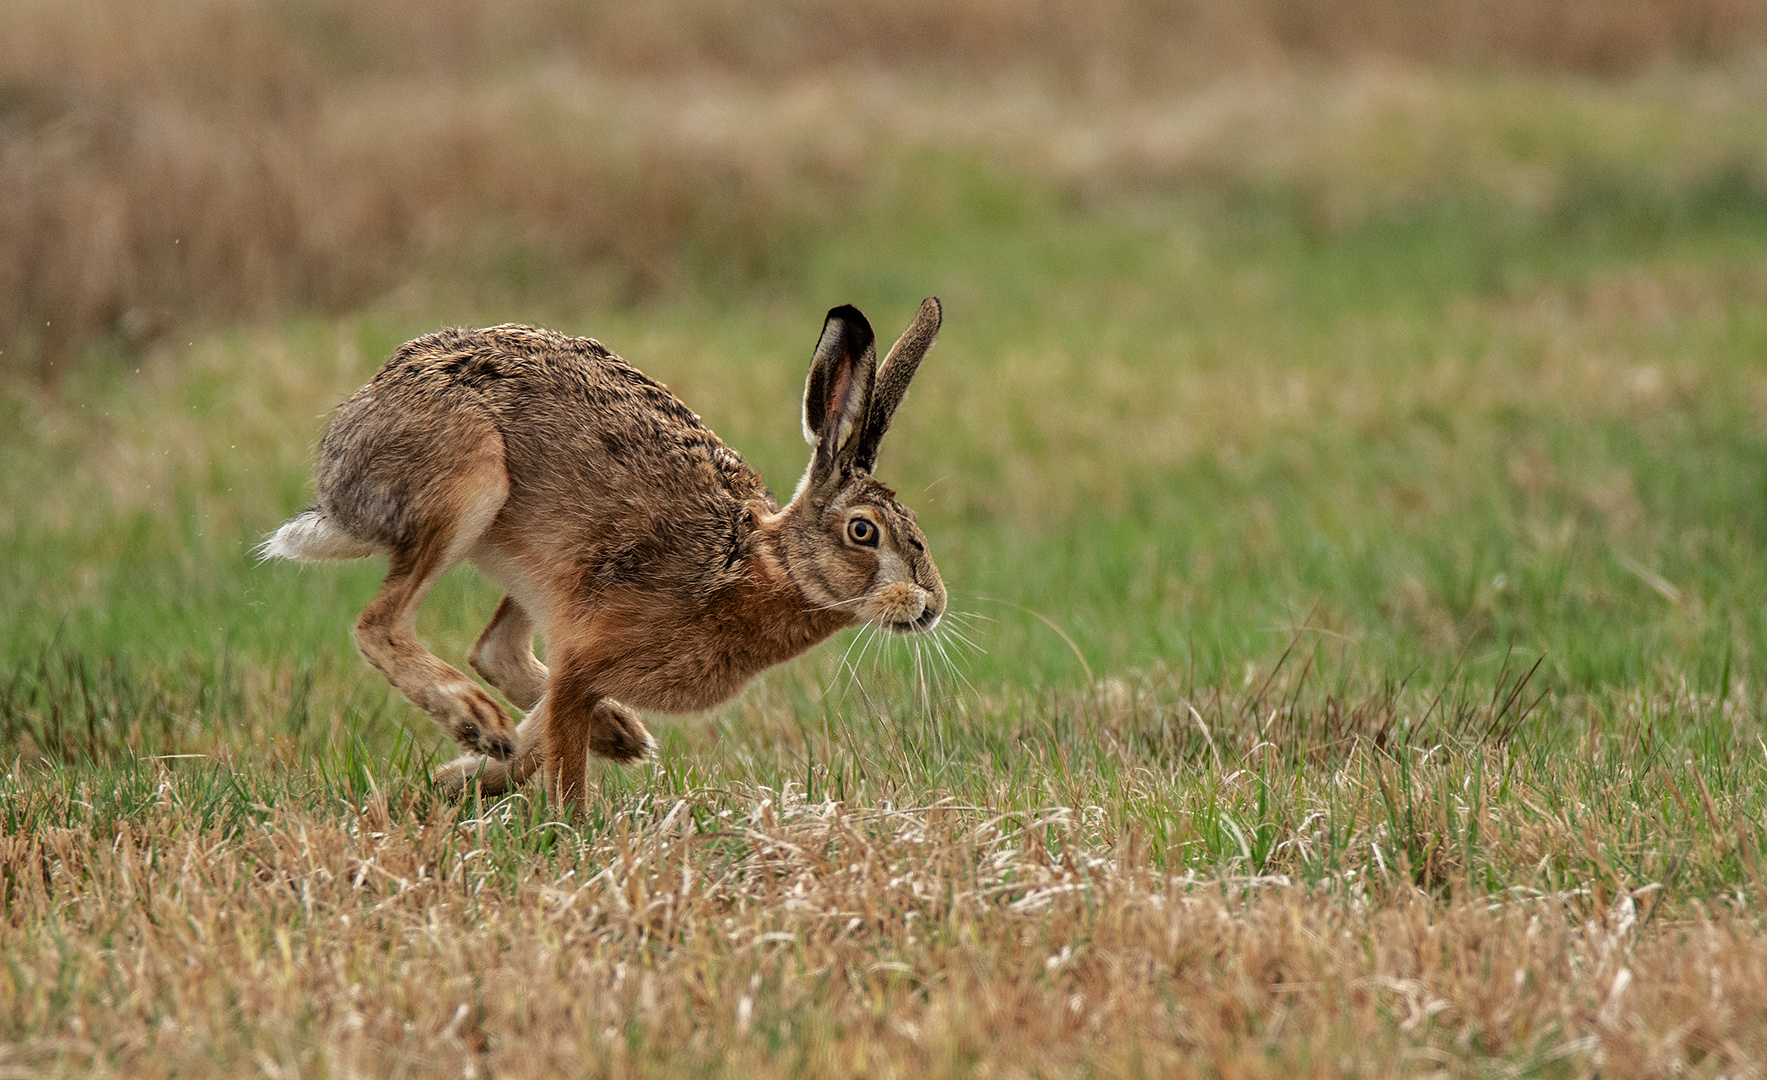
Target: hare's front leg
606, 729
581, 721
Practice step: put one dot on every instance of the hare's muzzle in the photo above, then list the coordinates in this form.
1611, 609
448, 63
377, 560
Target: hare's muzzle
907, 608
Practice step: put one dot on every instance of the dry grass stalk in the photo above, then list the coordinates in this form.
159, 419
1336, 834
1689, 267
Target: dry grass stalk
763, 934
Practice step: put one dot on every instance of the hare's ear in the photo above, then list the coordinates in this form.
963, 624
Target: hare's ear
892, 380
837, 394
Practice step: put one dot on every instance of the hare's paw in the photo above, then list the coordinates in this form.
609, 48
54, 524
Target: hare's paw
474, 721
490, 777
457, 778
616, 733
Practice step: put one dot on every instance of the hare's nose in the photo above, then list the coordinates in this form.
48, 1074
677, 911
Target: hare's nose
930, 611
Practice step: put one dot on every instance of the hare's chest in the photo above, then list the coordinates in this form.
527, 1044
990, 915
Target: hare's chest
685, 671
691, 658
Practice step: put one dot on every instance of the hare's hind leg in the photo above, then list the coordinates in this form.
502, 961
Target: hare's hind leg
504, 656
386, 631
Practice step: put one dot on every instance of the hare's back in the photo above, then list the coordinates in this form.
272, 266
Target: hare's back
573, 416
570, 422
499, 365
543, 392
580, 429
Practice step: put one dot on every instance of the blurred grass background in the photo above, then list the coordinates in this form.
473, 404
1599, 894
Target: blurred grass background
207, 160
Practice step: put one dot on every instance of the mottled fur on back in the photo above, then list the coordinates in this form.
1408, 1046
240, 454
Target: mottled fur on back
582, 433
661, 571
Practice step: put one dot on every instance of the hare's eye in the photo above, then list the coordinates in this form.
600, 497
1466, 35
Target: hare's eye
862, 531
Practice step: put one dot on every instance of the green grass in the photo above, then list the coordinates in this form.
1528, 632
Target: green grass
1164, 425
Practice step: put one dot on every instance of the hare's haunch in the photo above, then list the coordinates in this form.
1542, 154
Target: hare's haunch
661, 571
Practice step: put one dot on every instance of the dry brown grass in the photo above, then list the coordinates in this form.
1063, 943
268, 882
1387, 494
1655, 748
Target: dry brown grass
221, 158
752, 933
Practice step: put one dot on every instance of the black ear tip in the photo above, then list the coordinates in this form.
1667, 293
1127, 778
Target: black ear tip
851, 318
855, 329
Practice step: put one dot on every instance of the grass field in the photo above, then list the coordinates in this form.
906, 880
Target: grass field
1352, 486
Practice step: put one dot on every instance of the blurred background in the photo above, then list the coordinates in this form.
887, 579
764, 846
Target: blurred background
168, 163
1432, 327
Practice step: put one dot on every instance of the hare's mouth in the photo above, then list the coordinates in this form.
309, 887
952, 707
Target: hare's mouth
928, 619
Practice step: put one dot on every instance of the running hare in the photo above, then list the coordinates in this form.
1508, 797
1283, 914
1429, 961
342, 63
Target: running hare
660, 570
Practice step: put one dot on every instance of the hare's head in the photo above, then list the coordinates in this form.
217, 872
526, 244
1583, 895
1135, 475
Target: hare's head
848, 544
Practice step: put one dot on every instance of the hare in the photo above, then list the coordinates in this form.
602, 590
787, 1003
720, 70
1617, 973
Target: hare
662, 573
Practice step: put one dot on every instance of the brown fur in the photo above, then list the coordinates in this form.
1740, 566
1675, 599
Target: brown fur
661, 571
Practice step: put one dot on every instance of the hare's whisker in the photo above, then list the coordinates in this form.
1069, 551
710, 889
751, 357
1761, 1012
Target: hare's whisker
913, 656
957, 672
874, 636
972, 616
869, 635
847, 660
853, 667
926, 699
944, 676
858, 636
960, 636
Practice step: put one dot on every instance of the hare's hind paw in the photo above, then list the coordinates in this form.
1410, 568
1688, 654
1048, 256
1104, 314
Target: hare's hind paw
616, 733
474, 721
493, 777
492, 744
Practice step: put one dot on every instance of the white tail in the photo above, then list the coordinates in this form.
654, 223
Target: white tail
312, 537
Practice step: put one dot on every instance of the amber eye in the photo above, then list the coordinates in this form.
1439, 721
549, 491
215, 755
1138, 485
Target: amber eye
862, 531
